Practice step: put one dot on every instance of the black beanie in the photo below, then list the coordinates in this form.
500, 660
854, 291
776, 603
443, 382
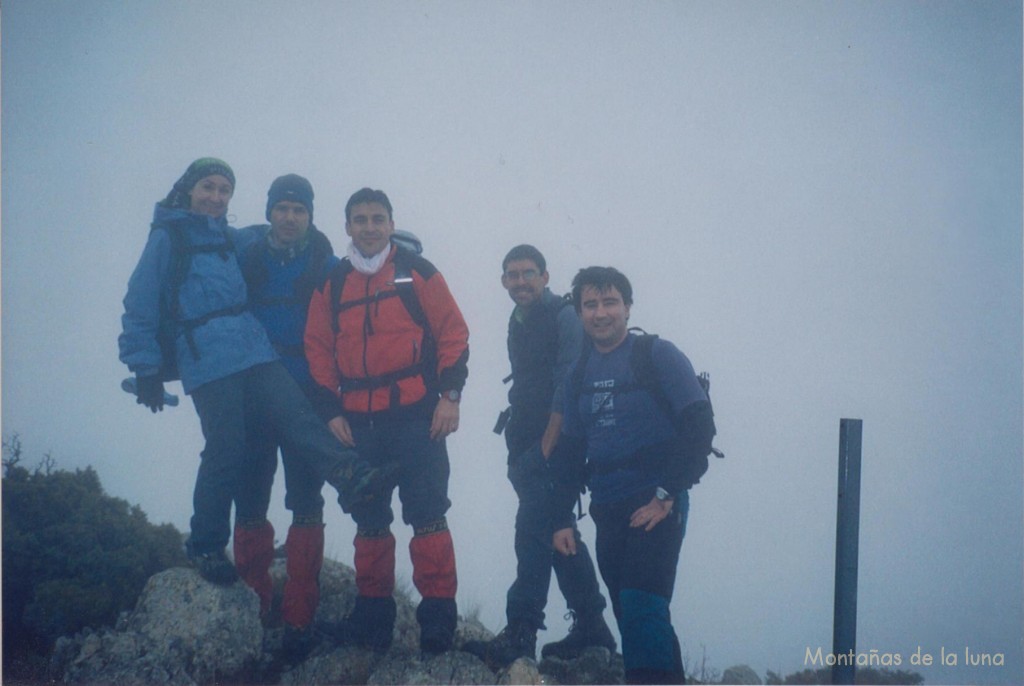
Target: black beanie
293, 188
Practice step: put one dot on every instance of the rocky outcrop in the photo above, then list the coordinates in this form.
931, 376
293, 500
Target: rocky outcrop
740, 674
187, 631
183, 631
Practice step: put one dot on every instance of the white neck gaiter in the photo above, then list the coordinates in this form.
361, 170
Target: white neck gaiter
367, 265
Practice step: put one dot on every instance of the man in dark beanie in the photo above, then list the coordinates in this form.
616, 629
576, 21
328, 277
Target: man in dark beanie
293, 188
281, 269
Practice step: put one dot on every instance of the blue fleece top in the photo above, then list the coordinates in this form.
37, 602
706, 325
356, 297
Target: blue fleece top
226, 344
617, 425
277, 296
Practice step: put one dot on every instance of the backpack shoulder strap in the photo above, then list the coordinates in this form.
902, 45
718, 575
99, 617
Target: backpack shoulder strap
315, 271
405, 263
180, 257
337, 278
253, 265
641, 361
575, 381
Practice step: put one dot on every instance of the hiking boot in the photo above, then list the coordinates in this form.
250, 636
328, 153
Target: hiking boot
513, 642
437, 618
587, 631
296, 645
370, 625
214, 566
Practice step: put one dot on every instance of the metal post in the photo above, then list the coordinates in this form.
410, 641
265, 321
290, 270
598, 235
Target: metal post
844, 624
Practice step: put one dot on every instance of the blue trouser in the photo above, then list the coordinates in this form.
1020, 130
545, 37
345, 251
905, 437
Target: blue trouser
535, 556
267, 394
302, 485
639, 569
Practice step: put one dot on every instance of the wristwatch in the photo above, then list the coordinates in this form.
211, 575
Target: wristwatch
663, 495
453, 395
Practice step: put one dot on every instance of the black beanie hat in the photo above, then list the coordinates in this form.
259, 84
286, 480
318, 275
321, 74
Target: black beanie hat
293, 188
198, 170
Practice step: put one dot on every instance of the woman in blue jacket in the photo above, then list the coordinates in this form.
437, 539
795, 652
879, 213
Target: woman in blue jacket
186, 314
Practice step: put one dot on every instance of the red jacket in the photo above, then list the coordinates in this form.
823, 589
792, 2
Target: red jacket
371, 361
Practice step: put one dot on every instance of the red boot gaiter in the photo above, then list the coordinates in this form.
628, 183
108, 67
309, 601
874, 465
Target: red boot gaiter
305, 548
433, 563
254, 551
375, 564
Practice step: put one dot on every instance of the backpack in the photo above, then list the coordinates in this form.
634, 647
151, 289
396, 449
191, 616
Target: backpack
172, 324
645, 375
409, 248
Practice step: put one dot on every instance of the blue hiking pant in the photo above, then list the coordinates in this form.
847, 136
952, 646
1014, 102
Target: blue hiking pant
302, 484
639, 569
265, 393
535, 556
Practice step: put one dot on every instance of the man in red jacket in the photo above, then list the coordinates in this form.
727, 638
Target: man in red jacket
388, 345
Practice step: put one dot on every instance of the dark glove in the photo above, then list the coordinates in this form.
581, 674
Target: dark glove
150, 392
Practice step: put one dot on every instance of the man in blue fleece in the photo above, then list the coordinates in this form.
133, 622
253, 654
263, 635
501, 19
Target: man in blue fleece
637, 430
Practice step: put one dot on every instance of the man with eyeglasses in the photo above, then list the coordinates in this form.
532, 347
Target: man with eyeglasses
544, 337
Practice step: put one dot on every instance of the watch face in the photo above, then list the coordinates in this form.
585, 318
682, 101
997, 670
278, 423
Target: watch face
453, 395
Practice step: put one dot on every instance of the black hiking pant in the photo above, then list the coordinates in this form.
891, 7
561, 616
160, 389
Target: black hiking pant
639, 569
535, 556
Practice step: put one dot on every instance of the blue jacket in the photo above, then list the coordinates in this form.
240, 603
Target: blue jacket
215, 348
280, 283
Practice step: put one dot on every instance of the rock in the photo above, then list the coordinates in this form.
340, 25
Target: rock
339, 666
593, 666
218, 627
453, 667
471, 630
522, 671
184, 630
740, 674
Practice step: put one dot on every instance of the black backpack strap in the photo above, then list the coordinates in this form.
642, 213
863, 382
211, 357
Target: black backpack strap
170, 307
641, 361
406, 262
178, 265
253, 265
575, 386
312, 276
182, 253
403, 284
337, 278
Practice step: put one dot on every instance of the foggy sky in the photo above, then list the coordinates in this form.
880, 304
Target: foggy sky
819, 203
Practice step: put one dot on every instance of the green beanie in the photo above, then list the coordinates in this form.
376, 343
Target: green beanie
200, 169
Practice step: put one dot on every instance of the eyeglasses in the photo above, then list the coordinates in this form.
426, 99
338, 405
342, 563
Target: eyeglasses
526, 275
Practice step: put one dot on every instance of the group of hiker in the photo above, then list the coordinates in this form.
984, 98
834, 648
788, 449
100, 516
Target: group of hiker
353, 368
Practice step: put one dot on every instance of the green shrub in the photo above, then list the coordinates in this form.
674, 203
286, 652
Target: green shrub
72, 556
